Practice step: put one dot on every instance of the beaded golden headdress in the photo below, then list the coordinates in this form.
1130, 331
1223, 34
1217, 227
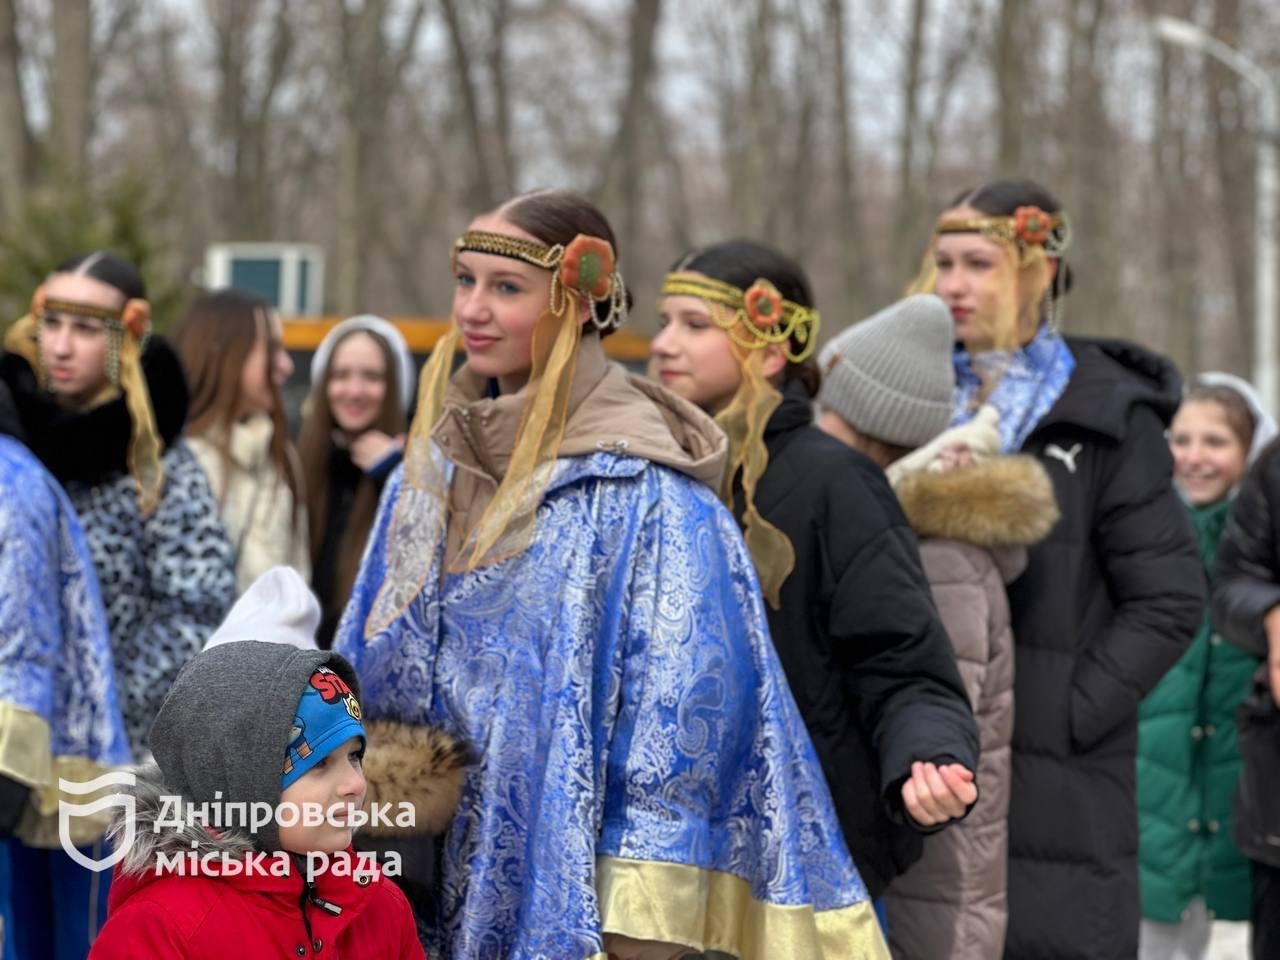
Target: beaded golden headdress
583, 275
1031, 238
754, 319
127, 332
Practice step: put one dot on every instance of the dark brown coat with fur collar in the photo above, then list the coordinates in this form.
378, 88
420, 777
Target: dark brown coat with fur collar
974, 525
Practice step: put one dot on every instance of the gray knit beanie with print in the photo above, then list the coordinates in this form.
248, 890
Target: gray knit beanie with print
890, 376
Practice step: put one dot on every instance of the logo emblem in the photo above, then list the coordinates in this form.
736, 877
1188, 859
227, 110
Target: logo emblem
1068, 457
67, 810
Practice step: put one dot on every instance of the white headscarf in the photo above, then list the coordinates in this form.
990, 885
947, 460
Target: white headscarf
406, 372
1264, 424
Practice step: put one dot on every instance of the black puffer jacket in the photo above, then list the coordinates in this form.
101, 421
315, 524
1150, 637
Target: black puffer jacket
1247, 578
1108, 603
1246, 588
864, 650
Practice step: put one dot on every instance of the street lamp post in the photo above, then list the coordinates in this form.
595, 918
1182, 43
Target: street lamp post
1185, 34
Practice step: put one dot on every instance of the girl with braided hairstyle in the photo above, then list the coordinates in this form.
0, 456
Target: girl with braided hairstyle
1109, 600
849, 606
552, 577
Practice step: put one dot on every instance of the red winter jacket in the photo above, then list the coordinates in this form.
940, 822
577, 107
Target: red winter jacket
259, 917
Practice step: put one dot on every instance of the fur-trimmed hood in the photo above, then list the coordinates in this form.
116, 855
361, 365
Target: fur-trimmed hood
421, 766
154, 832
1002, 504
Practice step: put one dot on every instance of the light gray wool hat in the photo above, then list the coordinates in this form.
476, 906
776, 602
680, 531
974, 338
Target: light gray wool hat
890, 376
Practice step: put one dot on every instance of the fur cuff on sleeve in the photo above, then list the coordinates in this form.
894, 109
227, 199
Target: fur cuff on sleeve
421, 766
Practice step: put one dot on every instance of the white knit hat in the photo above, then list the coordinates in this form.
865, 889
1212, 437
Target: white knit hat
891, 376
406, 371
278, 607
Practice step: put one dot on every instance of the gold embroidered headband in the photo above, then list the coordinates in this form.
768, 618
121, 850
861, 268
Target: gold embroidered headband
128, 331
1028, 228
760, 317
134, 317
586, 266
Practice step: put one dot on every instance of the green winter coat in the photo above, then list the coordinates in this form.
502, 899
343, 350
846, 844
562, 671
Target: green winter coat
1187, 770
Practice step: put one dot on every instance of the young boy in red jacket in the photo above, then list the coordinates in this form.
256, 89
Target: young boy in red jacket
239, 843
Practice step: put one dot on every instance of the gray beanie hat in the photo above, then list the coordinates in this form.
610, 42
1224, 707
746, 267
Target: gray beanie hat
890, 376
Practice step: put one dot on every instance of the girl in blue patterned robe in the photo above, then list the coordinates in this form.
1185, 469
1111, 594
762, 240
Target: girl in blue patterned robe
101, 403
552, 577
59, 711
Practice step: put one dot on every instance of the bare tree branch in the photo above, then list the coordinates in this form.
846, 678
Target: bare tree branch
15, 130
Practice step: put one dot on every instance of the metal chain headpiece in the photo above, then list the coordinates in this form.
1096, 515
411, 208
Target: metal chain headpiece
760, 317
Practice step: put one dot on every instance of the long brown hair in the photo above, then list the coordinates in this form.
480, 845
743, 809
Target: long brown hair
213, 340
315, 448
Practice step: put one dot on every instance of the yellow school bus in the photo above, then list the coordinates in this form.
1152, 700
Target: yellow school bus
302, 335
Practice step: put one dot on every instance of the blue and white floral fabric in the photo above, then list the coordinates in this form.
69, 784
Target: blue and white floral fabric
642, 769
1031, 379
59, 708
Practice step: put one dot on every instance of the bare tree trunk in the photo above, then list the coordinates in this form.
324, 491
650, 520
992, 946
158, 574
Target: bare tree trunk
231, 22
507, 172
15, 132
72, 90
1176, 288
764, 119
952, 64
1235, 163
175, 121
1089, 182
351, 247
256, 155
908, 196
1173, 286
243, 115
1010, 85
622, 167
372, 71
798, 192
676, 190
853, 251
480, 192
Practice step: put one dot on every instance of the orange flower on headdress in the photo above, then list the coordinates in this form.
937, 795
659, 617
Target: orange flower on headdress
588, 266
1032, 225
37, 302
136, 317
763, 304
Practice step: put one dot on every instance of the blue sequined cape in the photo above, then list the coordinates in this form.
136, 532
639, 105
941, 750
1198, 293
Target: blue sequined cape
643, 769
59, 710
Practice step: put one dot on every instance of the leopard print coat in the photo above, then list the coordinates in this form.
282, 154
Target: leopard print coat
168, 579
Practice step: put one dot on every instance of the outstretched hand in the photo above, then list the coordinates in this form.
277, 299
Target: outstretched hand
935, 794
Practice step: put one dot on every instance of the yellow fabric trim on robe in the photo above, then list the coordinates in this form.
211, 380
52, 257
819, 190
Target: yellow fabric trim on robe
24, 745
39, 825
710, 910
